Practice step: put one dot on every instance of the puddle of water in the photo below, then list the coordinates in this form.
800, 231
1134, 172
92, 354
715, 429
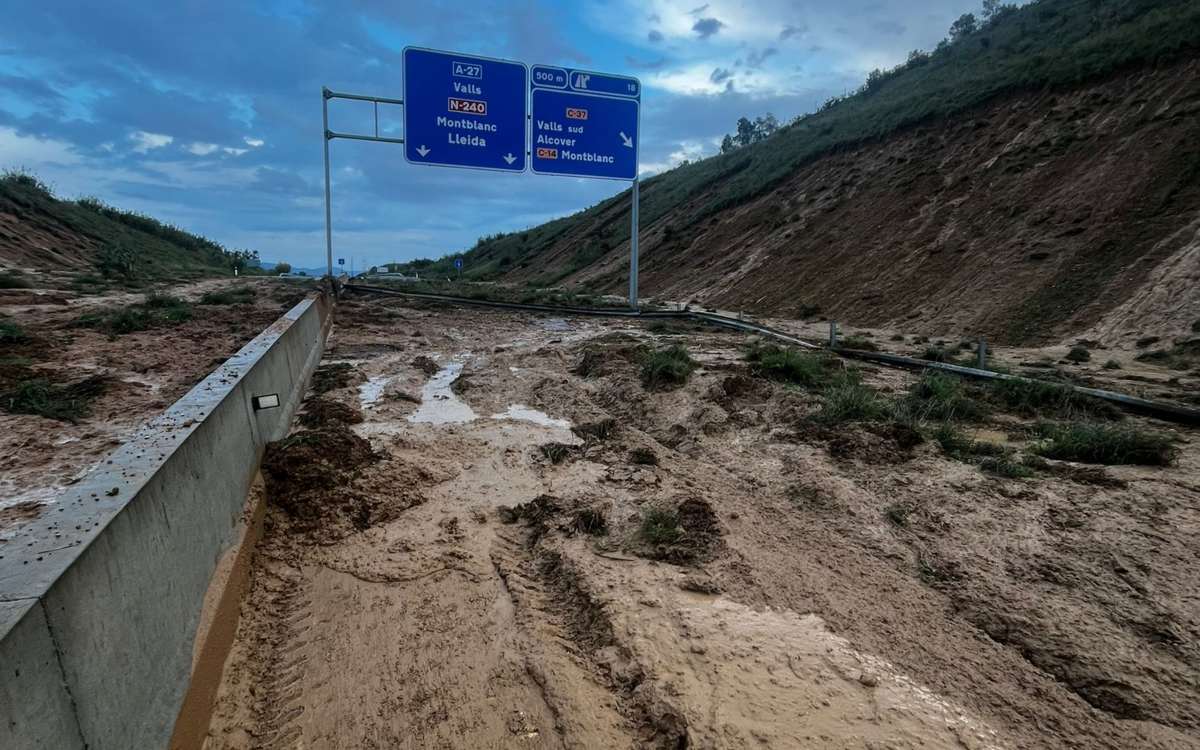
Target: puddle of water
522, 413
555, 324
370, 391
440, 404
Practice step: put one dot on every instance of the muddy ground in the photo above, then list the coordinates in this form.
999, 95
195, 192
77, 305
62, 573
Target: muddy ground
136, 375
457, 555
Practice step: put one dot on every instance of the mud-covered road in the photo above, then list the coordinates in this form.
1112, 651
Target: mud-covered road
486, 532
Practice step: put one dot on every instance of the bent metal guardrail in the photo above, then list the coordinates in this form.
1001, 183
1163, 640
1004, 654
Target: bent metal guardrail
1161, 409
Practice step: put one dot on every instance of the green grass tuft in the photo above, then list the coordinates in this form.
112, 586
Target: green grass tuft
661, 526
1105, 444
848, 399
665, 368
1035, 398
942, 397
556, 453
67, 403
155, 312
788, 365
955, 443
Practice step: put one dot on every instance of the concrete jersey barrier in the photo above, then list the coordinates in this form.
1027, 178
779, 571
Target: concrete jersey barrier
100, 598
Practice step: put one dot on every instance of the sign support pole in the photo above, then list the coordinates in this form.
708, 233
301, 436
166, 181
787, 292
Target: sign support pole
633, 250
328, 221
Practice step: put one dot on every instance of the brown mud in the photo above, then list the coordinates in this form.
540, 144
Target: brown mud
556, 557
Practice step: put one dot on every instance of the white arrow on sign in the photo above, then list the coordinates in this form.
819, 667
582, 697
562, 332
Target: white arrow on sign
423, 151
626, 140
509, 157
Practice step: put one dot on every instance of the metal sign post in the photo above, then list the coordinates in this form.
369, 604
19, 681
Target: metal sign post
329, 135
474, 112
633, 249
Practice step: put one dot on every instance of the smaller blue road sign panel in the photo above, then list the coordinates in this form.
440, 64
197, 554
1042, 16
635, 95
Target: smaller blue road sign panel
464, 110
584, 124
458, 263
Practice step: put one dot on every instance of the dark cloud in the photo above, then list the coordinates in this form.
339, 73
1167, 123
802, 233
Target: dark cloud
698, 11
706, 27
756, 59
655, 36
790, 31
720, 75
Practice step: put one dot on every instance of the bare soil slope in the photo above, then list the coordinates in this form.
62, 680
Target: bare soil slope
1033, 218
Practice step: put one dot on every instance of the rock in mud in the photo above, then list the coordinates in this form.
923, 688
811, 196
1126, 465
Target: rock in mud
425, 364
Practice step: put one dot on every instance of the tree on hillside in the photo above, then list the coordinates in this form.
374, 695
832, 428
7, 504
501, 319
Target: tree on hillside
283, 268
239, 259
745, 132
994, 10
750, 131
964, 26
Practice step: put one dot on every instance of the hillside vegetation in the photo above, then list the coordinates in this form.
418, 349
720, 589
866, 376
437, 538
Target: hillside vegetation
1051, 43
88, 244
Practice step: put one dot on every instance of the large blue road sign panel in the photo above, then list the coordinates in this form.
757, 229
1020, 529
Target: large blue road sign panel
584, 124
464, 110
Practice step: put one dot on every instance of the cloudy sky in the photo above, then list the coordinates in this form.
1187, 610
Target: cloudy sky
206, 113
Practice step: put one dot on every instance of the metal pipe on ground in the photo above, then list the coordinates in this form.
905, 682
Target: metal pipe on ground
1161, 409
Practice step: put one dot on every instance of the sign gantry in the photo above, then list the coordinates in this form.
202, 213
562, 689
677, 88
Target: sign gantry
477, 112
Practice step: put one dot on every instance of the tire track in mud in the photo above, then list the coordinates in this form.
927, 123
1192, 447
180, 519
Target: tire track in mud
554, 606
279, 626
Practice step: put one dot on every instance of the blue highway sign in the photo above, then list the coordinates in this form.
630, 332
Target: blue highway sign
464, 110
584, 124
458, 263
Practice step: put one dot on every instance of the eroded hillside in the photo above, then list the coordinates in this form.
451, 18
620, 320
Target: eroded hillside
1028, 220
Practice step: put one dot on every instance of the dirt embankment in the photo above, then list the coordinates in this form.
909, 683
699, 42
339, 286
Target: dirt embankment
70, 393
527, 547
1034, 218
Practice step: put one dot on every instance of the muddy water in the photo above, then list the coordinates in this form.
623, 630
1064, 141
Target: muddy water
439, 403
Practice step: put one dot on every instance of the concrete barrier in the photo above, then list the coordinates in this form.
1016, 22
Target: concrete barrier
100, 598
